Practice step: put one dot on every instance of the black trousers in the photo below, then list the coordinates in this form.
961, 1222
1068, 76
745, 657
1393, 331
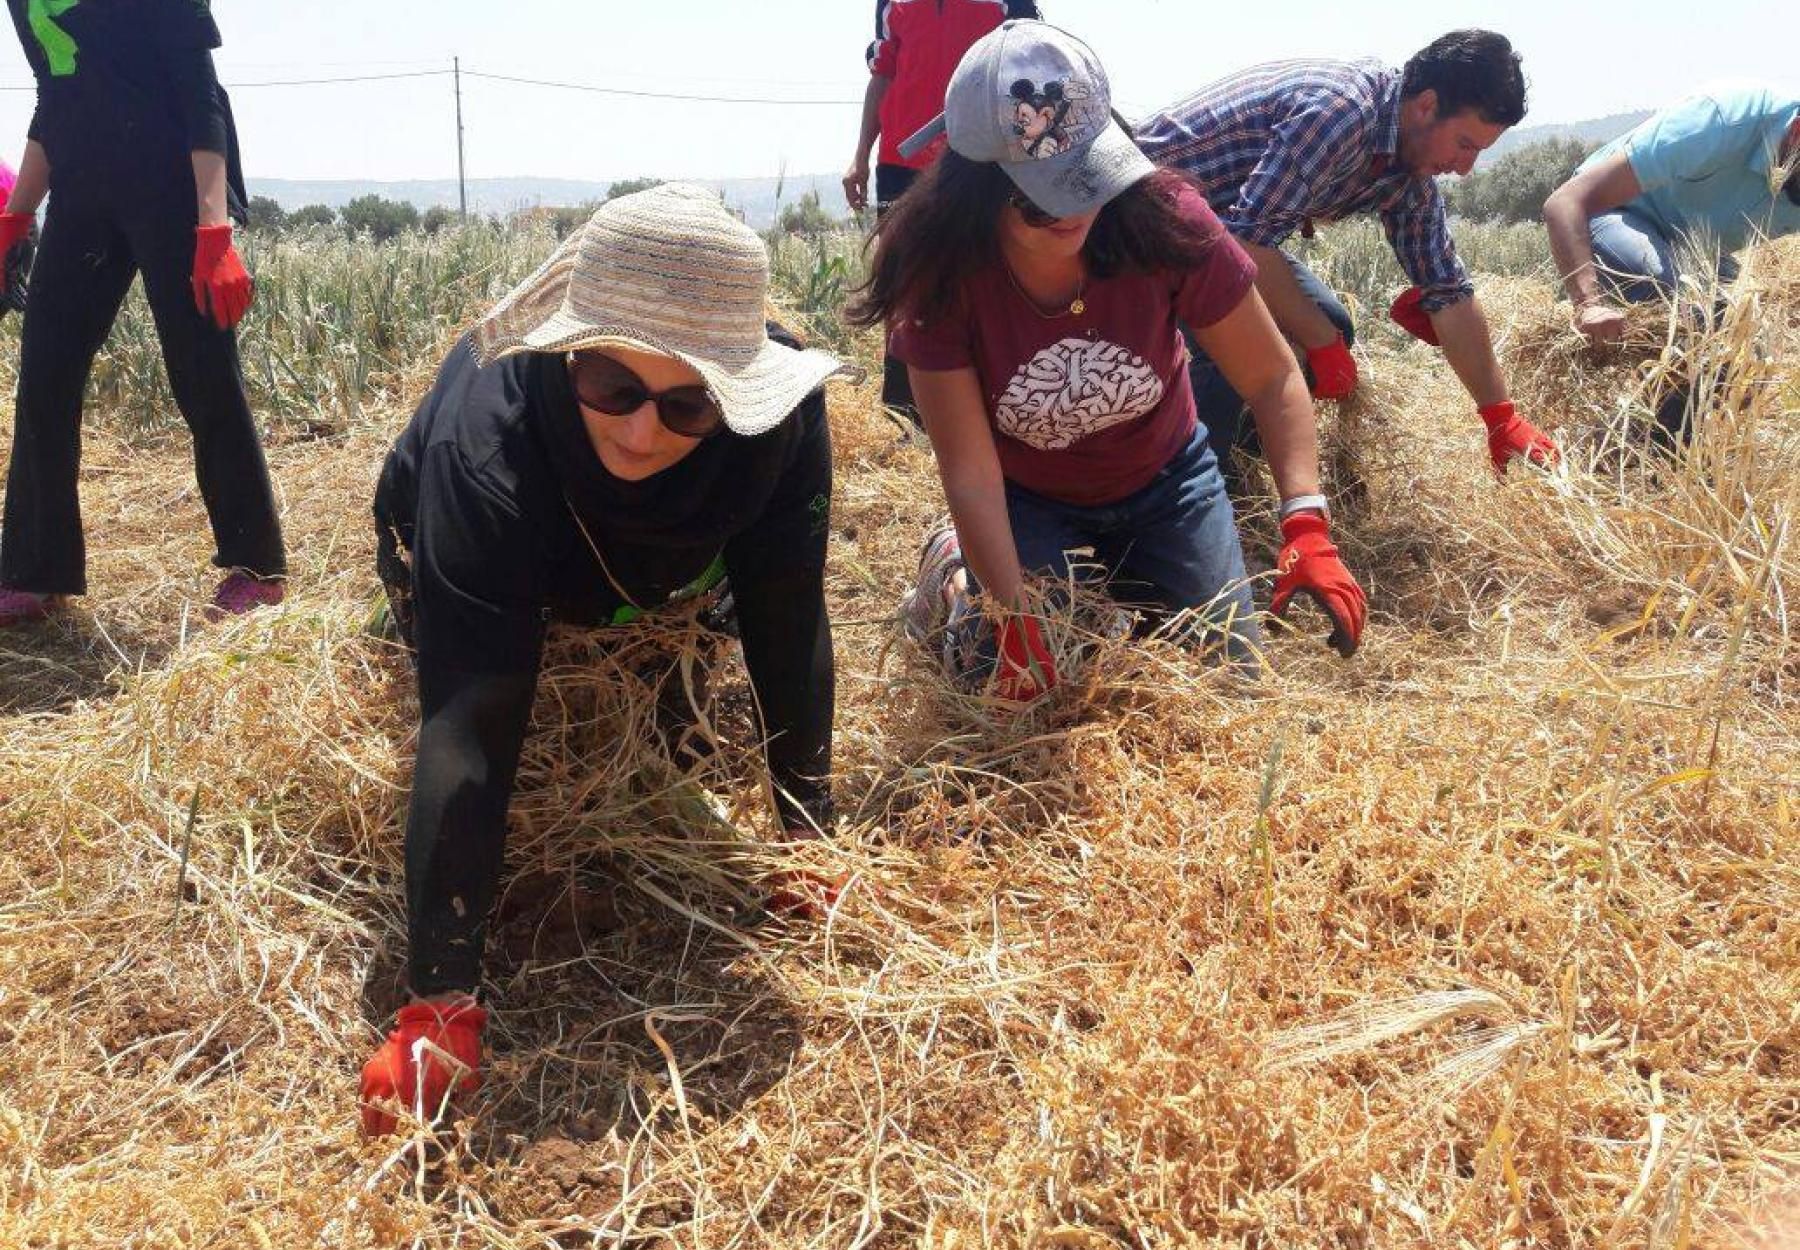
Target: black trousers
93, 242
891, 181
1222, 409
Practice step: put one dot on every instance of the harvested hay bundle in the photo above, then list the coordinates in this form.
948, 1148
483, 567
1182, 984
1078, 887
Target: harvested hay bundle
1553, 370
1362, 453
1704, 534
644, 767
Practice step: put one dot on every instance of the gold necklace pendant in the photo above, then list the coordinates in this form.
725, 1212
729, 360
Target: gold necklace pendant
1076, 306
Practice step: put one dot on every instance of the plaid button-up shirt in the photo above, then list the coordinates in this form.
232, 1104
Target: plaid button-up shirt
1281, 146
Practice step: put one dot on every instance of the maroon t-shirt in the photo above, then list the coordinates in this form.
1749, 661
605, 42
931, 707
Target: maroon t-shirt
1086, 409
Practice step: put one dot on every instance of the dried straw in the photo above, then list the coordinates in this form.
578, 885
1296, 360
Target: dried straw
1117, 972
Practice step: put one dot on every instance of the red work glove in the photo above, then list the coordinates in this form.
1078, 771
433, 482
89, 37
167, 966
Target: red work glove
1026, 669
1408, 314
432, 1045
222, 286
1511, 435
15, 228
1333, 369
802, 894
1310, 565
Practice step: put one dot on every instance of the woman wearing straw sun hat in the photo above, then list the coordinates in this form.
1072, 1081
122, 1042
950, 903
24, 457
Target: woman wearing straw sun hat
620, 432
1034, 281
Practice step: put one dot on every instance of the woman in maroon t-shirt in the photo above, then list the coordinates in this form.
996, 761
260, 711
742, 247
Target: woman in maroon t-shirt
1034, 281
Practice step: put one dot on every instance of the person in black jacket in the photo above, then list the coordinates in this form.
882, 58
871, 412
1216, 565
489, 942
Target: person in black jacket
134, 135
620, 432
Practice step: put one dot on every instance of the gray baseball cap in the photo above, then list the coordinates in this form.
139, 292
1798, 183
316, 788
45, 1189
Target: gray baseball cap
1033, 99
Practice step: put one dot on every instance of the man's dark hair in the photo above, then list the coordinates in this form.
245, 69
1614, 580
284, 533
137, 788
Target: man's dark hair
1470, 69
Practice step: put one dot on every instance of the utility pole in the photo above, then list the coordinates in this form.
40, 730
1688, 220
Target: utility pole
462, 186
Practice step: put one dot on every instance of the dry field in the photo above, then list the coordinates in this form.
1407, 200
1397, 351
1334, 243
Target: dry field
1490, 937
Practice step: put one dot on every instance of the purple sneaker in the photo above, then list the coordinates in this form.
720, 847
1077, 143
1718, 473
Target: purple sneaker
23, 607
243, 592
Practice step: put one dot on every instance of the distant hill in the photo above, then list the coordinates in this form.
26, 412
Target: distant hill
760, 199
1594, 130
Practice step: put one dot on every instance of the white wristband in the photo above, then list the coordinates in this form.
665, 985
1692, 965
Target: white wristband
1301, 503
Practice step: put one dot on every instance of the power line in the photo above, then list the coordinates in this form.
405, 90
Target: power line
315, 64
319, 82
456, 72
592, 88
304, 82
650, 95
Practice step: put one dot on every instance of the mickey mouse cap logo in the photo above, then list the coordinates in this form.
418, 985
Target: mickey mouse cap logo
1034, 99
1048, 120
1055, 101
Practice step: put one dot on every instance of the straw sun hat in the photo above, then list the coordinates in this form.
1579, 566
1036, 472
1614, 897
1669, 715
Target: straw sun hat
665, 270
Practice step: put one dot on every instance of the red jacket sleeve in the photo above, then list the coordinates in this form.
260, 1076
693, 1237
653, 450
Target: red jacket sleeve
884, 53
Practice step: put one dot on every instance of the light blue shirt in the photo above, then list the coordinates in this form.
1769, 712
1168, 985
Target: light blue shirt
1708, 165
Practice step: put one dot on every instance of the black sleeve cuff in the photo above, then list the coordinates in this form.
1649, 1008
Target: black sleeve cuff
198, 97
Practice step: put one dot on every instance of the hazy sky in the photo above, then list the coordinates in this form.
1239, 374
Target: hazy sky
1584, 60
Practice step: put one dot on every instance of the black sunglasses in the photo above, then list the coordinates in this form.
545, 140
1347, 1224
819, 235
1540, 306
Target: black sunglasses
605, 385
1034, 216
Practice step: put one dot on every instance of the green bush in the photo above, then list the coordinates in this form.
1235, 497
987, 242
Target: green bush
311, 215
567, 218
626, 186
381, 219
266, 213
807, 217
1517, 185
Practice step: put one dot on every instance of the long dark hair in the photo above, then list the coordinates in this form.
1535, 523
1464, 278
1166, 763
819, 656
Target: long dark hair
946, 227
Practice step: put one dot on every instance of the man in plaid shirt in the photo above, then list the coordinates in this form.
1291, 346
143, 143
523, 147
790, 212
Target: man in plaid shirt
1279, 147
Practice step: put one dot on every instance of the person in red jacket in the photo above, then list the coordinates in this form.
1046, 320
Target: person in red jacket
134, 135
917, 46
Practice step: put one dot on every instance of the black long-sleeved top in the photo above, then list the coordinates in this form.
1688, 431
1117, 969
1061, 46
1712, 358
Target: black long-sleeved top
127, 89
481, 488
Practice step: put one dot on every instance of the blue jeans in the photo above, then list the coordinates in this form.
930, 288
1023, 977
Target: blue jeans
1170, 546
1637, 258
1221, 408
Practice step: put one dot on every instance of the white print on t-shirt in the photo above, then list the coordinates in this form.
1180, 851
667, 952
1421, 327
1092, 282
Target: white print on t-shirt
1074, 389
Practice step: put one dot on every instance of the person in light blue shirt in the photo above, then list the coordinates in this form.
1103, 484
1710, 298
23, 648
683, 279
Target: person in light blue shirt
1711, 174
